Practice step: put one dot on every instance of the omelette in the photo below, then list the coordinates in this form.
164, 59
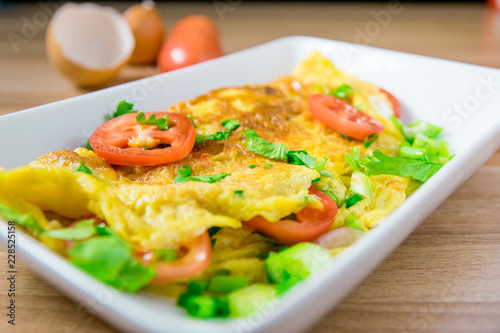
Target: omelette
268, 180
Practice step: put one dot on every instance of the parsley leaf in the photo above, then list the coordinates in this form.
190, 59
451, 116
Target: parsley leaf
162, 123
185, 176
82, 230
230, 124
123, 108
353, 159
238, 192
370, 139
192, 120
268, 165
263, 147
26, 220
89, 147
110, 260
352, 200
251, 166
380, 163
83, 168
342, 91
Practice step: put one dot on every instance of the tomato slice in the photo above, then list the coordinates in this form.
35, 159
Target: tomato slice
112, 140
343, 117
311, 223
394, 102
194, 262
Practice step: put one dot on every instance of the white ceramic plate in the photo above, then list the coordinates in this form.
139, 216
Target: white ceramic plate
462, 98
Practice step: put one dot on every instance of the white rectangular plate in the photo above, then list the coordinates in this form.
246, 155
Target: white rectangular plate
464, 99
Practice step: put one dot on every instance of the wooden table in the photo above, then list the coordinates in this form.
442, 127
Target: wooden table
443, 278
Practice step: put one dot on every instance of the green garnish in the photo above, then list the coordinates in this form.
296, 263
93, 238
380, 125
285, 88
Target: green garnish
26, 220
122, 108
213, 230
162, 123
81, 230
226, 284
380, 163
263, 147
146, 148
331, 195
361, 184
230, 126
222, 272
352, 200
89, 147
185, 176
192, 120
110, 260
238, 192
353, 159
316, 180
201, 307
342, 91
370, 139
352, 222
294, 264
268, 165
322, 87
83, 168
251, 166
166, 254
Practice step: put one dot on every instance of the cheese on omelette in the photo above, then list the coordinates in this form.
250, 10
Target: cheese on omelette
144, 206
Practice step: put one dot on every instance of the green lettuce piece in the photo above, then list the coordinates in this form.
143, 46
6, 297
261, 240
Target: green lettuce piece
381, 164
26, 220
263, 147
82, 230
185, 176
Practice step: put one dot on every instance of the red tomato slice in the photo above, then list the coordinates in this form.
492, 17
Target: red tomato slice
194, 262
343, 117
311, 223
394, 102
111, 140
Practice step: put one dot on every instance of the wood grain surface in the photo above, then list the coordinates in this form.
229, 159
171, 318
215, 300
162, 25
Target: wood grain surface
444, 278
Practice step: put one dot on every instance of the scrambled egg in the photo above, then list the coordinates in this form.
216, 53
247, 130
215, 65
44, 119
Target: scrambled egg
145, 207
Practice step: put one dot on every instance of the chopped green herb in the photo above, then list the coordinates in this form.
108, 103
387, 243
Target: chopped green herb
81, 230
353, 159
370, 139
166, 254
279, 151
325, 173
192, 120
316, 180
146, 148
185, 176
26, 220
238, 192
263, 147
110, 260
268, 165
213, 230
342, 91
361, 184
352, 200
83, 168
251, 166
331, 195
352, 222
162, 123
380, 163
226, 284
123, 108
230, 126
201, 307
89, 147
